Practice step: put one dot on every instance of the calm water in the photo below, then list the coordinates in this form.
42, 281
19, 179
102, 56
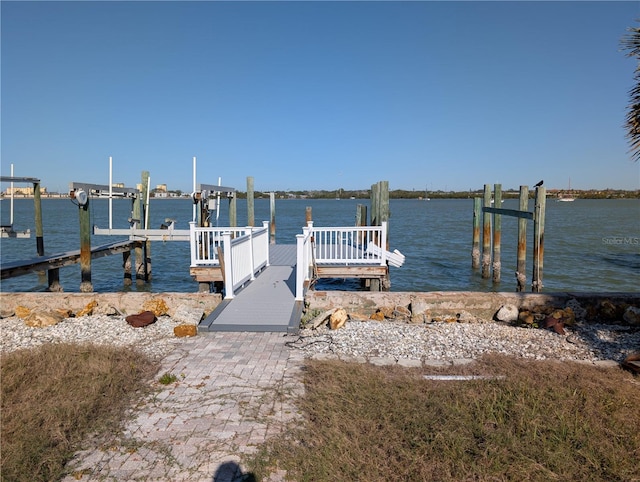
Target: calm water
590, 245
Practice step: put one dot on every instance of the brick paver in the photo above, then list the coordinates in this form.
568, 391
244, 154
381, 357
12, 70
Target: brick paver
234, 391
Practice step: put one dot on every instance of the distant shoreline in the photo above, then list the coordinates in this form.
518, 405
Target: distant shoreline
408, 195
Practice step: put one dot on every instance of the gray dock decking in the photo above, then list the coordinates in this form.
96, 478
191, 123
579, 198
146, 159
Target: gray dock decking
266, 304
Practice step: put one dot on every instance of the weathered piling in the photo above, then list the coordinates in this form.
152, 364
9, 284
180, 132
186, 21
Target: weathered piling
486, 234
85, 246
538, 238
38, 218
146, 249
233, 210
308, 215
523, 215
475, 246
379, 213
272, 224
497, 233
522, 240
250, 202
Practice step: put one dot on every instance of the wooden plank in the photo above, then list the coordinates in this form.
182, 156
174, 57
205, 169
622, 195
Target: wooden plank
508, 212
207, 274
336, 271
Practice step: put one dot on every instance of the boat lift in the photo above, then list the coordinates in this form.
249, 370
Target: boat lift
6, 230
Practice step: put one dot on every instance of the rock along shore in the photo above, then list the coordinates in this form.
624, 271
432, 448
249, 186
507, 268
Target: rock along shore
434, 330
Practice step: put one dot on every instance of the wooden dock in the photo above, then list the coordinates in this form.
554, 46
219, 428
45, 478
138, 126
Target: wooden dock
60, 260
266, 304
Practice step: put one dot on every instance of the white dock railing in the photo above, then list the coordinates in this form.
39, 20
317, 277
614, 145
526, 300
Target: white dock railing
346, 246
245, 252
205, 242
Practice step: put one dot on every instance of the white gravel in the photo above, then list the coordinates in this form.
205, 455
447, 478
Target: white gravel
367, 339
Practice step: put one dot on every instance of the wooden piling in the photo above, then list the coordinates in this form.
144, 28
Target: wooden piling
146, 265
85, 248
538, 238
233, 210
486, 234
38, 219
272, 224
522, 240
497, 232
308, 217
475, 246
138, 252
126, 265
250, 202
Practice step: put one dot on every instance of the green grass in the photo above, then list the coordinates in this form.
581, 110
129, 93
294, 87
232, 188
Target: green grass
56, 395
542, 421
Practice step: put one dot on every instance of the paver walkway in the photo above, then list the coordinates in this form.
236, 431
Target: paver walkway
234, 391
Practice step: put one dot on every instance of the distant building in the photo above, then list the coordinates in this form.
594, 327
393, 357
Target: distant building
161, 188
23, 191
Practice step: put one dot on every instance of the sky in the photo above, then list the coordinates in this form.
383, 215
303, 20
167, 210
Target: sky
318, 95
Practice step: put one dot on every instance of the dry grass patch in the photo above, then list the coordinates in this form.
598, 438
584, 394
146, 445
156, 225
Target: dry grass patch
55, 395
540, 421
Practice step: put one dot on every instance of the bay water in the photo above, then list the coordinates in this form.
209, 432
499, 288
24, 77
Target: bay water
589, 245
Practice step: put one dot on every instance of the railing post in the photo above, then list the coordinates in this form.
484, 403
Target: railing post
228, 266
522, 240
192, 242
266, 226
251, 257
383, 260
301, 269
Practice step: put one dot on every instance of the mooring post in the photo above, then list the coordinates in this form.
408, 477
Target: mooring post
139, 255
307, 216
85, 248
272, 224
538, 238
475, 245
497, 232
375, 205
486, 234
250, 205
522, 240
233, 210
126, 265
146, 188
37, 202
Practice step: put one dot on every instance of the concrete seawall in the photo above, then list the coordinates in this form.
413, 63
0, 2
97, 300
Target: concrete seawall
483, 305
479, 304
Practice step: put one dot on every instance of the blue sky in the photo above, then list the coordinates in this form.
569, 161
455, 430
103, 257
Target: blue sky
318, 95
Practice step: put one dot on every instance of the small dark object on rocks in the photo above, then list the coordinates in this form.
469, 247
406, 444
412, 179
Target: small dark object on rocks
142, 319
555, 324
